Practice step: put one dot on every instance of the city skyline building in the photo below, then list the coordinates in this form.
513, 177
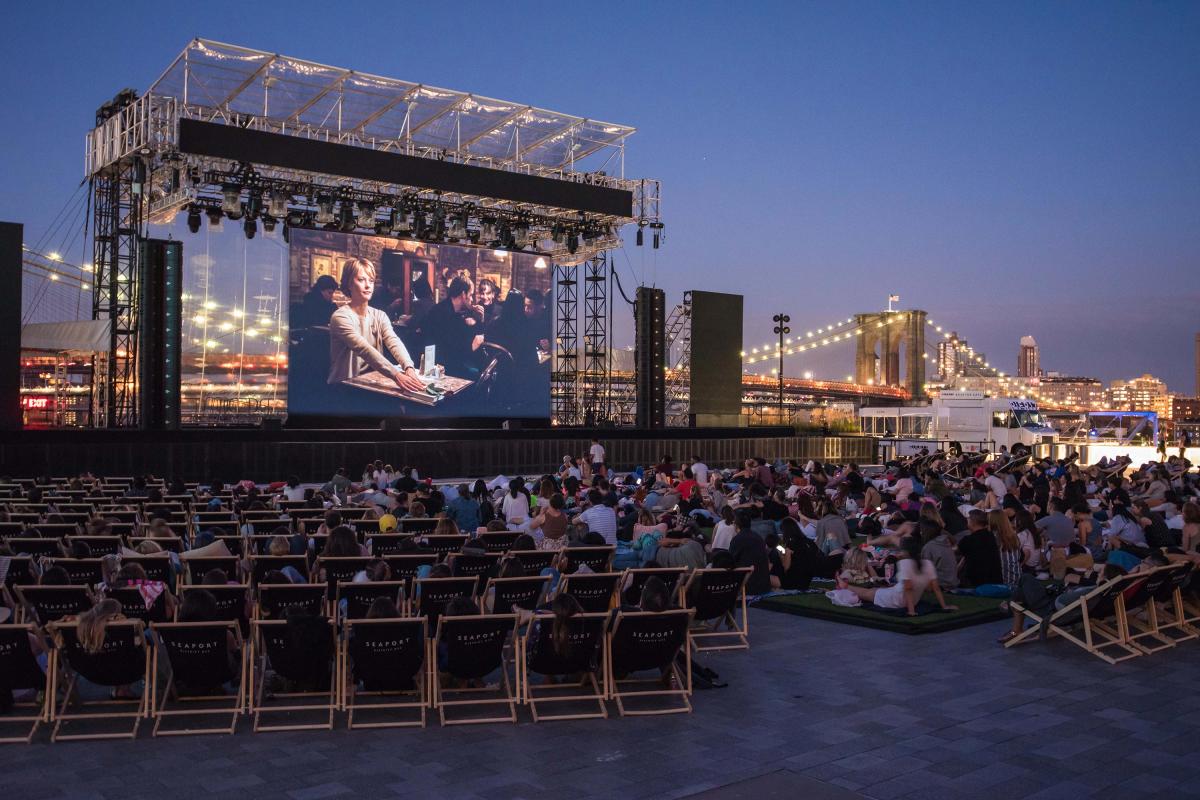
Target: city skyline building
1029, 363
1077, 393
1146, 393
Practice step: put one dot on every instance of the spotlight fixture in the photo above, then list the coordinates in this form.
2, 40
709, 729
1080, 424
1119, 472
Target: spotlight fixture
231, 200
521, 235
269, 222
295, 218
253, 204
250, 227
487, 231
277, 205
418, 224
384, 227
214, 217
193, 218
572, 243
324, 209
346, 217
639, 236
556, 233
458, 227
366, 215
401, 223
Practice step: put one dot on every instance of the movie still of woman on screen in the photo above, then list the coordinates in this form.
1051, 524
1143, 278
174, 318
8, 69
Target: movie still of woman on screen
390, 328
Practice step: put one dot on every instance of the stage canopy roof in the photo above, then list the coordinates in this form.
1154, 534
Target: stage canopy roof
85, 336
304, 94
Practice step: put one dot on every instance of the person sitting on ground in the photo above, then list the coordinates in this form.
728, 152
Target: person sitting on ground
551, 520
464, 509
679, 549
832, 535
938, 548
749, 550
980, 564
856, 568
914, 576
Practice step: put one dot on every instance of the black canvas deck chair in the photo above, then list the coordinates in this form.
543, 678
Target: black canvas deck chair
19, 671
275, 600
597, 559
432, 594
35, 547
387, 544
200, 664
98, 545
133, 605
478, 564
261, 565
301, 652
443, 544
633, 580
231, 600
594, 590
173, 544
194, 569
1096, 613
353, 600
19, 571
45, 604
80, 571
499, 541
534, 561
717, 596
418, 525
405, 566
123, 659
1158, 621
384, 668
157, 566
337, 570
525, 592
640, 641
582, 654
469, 649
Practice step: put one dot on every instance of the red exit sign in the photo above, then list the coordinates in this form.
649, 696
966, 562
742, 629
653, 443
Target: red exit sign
36, 403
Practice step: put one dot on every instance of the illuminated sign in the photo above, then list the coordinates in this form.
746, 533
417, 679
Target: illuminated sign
35, 403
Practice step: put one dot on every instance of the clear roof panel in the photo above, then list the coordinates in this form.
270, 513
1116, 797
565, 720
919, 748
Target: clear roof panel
289, 90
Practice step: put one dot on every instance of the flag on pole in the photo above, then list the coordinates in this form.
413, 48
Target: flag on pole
893, 298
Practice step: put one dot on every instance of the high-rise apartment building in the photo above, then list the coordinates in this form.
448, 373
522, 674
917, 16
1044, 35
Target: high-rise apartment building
1029, 364
1146, 393
1074, 393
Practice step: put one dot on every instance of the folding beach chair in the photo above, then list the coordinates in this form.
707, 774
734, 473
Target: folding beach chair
583, 654
597, 559
194, 569
302, 651
133, 605
593, 590
337, 570
358, 597
471, 648
45, 604
156, 565
80, 571
231, 602
716, 596
499, 541
444, 544
1091, 612
388, 657
1165, 627
477, 564
35, 547
418, 525
387, 544
200, 665
524, 592
405, 566
98, 545
649, 640
275, 600
261, 565
634, 579
19, 670
430, 595
534, 561
123, 660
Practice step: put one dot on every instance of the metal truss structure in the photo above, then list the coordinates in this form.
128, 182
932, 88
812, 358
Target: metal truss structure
679, 371
564, 380
139, 176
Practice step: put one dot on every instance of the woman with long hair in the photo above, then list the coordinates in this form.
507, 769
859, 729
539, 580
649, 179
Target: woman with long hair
552, 522
515, 506
914, 576
563, 607
359, 334
447, 527
1033, 546
1191, 526
93, 624
1011, 556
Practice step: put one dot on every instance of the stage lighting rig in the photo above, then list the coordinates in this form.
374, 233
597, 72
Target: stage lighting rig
277, 206
366, 215
324, 210
214, 216
250, 227
269, 222
193, 218
231, 202
346, 221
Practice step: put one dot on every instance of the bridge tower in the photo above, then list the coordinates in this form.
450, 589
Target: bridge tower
877, 358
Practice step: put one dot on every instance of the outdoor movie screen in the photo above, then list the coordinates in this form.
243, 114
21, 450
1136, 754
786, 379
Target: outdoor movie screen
388, 328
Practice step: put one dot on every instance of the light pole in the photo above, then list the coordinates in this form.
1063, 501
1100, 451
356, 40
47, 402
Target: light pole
781, 328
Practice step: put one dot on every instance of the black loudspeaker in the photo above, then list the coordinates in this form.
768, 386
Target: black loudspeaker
159, 342
11, 236
650, 357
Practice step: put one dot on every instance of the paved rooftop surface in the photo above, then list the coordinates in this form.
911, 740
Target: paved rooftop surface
815, 709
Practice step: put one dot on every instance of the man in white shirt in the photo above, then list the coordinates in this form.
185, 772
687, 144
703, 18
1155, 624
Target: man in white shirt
700, 472
995, 485
600, 518
596, 452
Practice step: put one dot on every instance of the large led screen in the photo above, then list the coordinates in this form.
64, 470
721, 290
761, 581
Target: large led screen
389, 328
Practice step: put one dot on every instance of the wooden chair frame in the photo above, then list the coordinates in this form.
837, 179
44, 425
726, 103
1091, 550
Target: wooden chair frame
62, 713
348, 686
258, 708
683, 682
706, 637
1098, 636
45, 709
506, 685
530, 694
159, 708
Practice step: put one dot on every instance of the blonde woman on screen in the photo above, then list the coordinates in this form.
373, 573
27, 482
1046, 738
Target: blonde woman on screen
359, 334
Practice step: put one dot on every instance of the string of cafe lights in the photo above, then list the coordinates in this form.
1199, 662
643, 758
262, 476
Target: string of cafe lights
811, 340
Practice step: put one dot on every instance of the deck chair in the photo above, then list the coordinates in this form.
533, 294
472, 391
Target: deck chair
231, 602
716, 595
389, 658
45, 604
499, 541
305, 656
261, 565
477, 564
1150, 628
405, 566
358, 597
1092, 612
275, 600
634, 579
471, 648
194, 569
19, 670
35, 547
339, 570
593, 590
418, 525
98, 545
525, 592
387, 544
534, 561
20, 571
597, 559
200, 665
173, 544
583, 655
80, 571
430, 595
446, 543
157, 566
124, 659
649, 640
133, 605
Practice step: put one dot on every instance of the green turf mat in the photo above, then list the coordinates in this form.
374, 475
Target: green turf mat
971, 611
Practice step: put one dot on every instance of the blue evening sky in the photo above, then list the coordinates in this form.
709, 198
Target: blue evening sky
1013, 168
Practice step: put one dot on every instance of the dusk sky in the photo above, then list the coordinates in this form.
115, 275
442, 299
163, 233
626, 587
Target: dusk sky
1012, 168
